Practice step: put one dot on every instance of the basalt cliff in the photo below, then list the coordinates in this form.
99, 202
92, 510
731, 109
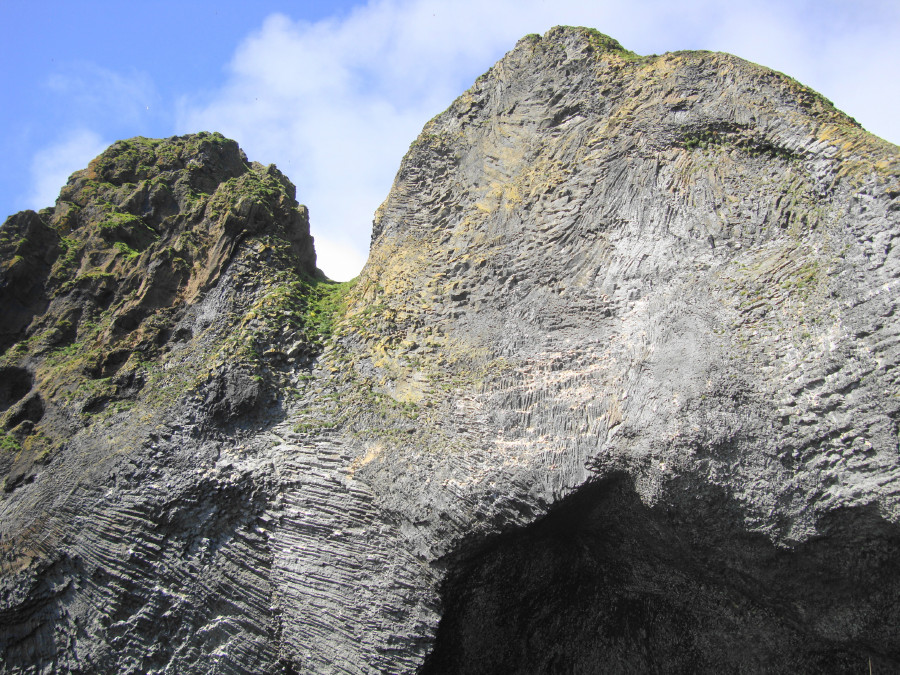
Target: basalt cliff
616, 391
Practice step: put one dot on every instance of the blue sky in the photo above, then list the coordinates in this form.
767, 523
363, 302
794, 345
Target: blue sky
333, 93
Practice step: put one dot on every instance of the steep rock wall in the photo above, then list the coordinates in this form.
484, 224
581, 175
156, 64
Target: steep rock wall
677, 269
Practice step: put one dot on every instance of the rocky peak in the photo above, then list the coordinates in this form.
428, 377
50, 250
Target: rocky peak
148, 225
94, 289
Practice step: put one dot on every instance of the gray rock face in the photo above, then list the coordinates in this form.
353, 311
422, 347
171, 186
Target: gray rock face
615, 392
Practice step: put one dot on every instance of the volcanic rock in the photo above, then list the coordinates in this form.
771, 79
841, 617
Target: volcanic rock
616, 391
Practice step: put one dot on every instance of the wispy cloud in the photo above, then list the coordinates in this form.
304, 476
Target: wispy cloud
94, 93
94, 98
336, 103
52, 166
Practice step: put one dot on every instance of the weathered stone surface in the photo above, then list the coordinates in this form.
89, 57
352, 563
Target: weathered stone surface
615, 392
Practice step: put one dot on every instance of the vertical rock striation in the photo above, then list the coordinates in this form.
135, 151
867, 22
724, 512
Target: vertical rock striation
615, 392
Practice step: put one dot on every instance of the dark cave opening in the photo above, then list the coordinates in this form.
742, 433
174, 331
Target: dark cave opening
605, 584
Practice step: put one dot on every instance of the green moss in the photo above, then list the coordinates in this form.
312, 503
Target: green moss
309, 308
604, 43
259, 186
70, 247
8, 442
71, 358
326, 304
95, 275
128, 252
188, 246
119, 220
88, 388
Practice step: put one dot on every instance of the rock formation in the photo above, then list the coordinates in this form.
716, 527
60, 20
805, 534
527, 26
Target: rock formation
616, 391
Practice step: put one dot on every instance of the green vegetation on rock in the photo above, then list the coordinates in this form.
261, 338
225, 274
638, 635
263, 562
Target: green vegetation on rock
8, 442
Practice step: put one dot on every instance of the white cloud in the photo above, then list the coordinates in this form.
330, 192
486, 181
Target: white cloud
52, 166
336, 103
842, 50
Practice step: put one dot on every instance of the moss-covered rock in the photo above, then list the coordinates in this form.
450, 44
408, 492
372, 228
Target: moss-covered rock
93, 288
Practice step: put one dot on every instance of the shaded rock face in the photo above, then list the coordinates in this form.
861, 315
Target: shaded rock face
605, 583
615, 392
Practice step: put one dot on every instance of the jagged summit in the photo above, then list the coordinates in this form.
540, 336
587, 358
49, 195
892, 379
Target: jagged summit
96, 290
614, 391
588, 39
154, 219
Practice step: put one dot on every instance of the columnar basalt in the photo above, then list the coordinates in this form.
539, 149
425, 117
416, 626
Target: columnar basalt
616, 391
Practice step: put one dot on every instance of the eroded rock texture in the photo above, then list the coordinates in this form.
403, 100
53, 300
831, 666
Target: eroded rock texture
615, 392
